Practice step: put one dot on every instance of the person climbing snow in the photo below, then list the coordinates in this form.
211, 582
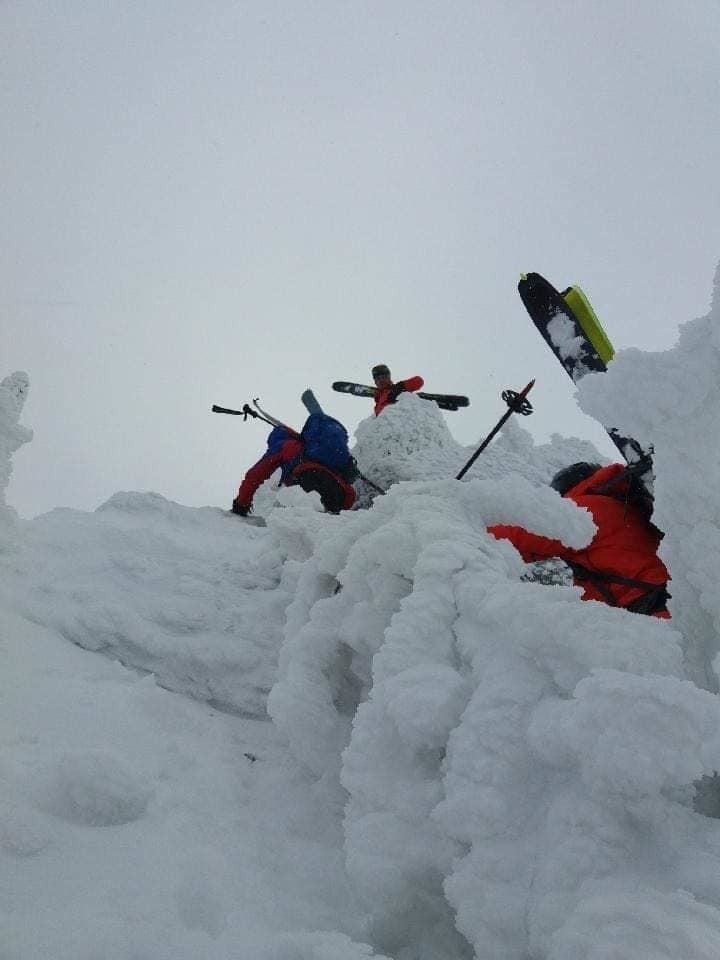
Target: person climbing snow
387, 390
317, 460
620, 566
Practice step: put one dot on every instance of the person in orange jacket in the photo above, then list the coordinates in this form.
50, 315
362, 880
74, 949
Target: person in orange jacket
620, 566
285, 452
387, 392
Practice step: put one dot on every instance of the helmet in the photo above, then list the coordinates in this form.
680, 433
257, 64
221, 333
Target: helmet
381, 370
569, 477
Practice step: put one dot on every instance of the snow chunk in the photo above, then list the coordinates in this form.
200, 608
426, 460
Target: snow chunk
625, 922
96, 789
13, 392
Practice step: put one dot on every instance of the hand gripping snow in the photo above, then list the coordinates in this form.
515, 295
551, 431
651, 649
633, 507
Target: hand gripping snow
517, 403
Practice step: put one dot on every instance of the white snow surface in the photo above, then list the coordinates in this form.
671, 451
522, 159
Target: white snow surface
671, 399
367, 735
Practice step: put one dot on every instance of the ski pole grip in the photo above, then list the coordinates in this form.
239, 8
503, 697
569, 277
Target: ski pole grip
245, 412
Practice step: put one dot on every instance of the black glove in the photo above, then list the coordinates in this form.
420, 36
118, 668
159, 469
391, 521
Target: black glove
395, 390
241, 509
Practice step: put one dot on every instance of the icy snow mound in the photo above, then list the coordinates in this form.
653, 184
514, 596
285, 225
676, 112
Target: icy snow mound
671, 400
192, 595
137, 823
509, 752
410, 440
13, 391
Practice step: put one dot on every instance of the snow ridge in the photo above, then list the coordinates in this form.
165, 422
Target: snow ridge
461, 763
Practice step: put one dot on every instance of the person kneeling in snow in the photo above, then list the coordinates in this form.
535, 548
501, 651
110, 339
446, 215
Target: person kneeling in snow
620, 566
387, 392
317, 459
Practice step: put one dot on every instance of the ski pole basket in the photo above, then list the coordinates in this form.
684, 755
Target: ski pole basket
517, 403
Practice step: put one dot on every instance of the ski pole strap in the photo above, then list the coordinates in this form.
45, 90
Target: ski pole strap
247, 411
656, 596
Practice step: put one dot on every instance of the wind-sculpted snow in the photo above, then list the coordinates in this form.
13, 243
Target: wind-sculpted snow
671, 400
193, 595
462, 764
410, 440
513, 758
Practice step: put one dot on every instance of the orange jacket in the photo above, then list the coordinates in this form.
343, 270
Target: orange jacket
625, 544
385, 396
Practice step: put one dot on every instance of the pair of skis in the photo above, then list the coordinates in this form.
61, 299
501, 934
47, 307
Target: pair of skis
446, 401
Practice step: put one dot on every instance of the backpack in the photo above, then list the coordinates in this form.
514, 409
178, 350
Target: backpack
326, 442
278, 436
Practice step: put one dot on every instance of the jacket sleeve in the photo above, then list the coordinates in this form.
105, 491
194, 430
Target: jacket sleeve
257, 474
413, 383
531, 546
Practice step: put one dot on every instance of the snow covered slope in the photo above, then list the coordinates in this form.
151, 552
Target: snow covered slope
381, 739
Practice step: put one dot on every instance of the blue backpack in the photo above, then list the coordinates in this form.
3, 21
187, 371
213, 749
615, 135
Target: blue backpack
326, 441
277, 437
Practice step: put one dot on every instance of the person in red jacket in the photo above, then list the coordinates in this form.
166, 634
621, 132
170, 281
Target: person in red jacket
285, 452
620, 566
387, 392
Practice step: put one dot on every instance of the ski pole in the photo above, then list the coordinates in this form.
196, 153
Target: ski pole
371, 484
517, 403
246, 412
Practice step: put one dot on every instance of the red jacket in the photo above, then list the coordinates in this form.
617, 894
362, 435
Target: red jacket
384, 397
287, 458
625, 543
265, 467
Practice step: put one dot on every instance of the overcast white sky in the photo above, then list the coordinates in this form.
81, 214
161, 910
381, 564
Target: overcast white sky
203, 203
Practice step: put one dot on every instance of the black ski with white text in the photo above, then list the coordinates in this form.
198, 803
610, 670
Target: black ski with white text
446, 401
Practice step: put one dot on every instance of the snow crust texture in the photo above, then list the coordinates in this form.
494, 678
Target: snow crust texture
368, 735
671, 400
506, 748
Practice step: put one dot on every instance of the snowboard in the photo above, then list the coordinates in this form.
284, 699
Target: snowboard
446, 401
570, 327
